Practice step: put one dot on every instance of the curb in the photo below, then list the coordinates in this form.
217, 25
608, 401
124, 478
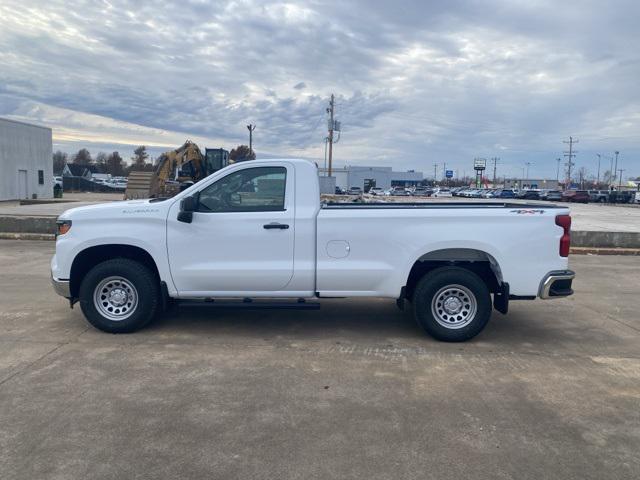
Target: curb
26, 236
604, 251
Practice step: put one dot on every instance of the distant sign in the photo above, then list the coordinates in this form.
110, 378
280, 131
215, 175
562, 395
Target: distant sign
479, 164
449, 173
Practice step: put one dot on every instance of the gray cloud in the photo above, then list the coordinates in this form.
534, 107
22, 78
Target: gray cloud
416, 82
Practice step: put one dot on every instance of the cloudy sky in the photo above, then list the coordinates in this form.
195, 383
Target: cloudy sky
417, 82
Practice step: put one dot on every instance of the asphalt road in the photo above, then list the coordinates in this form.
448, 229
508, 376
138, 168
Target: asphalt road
354, 390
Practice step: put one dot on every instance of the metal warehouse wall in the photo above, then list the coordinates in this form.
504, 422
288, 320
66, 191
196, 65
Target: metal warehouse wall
25, 149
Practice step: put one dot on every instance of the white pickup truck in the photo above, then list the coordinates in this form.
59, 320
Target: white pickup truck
256, 235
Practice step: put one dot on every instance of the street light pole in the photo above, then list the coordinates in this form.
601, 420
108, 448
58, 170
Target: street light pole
598, 178
615, 170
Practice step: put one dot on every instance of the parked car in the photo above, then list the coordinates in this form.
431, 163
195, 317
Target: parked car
621, 196
442, 192
225, 238
400, 192
376, 191
354, 191
530, 195
554, 195
57, 180
576, 196
340, 191
598, 196
488, 193
422, 192
505, 193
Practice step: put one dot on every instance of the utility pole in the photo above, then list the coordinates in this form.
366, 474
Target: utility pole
615, 170
495, 162
570, 154
435, 172
330, 111
598, 177
528, 164
444, 171
620, 181
251, 128
558, 170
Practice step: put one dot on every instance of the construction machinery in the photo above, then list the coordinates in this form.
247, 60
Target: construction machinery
175, 171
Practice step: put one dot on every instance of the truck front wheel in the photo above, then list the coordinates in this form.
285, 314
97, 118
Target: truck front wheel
452, 304
119, 296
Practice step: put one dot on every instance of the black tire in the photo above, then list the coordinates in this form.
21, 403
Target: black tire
144, 283
437, 283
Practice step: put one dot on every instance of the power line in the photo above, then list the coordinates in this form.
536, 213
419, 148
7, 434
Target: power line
251, 128
495, 163
330, 111
620, 181
570, 155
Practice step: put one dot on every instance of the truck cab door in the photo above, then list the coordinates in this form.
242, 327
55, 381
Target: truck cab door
241, 237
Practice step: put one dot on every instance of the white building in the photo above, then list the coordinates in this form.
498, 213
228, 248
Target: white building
25, 161
366, 177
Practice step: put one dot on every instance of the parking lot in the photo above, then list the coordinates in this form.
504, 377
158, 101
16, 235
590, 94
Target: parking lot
354, 390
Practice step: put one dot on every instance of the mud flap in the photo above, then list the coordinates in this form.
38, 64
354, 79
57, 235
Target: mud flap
501, 299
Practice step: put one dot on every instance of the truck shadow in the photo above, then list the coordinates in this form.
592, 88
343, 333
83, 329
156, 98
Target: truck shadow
365, 320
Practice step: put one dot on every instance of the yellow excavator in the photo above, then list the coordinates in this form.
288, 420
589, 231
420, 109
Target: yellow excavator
175, 171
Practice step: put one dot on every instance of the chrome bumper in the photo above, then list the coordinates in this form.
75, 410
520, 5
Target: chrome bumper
61, 287
556, 284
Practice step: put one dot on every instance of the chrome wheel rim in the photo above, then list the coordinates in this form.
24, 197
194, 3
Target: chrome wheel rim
454, 306
116, 298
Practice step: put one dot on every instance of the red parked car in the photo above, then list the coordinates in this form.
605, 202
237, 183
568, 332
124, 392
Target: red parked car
581, 196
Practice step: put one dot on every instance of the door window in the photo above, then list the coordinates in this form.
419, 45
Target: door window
260, 189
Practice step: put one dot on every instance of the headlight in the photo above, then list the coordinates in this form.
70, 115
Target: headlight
63, 226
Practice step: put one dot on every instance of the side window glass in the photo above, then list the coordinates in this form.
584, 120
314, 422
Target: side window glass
260, 189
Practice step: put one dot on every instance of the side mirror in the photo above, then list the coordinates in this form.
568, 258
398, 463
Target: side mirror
188, 205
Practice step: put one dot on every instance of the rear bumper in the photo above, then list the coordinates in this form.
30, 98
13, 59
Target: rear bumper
556, 284
61, 287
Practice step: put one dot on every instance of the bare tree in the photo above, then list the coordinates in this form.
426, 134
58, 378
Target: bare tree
83, 157
59, 160
115, 164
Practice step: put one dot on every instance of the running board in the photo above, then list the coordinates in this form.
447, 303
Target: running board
249, 304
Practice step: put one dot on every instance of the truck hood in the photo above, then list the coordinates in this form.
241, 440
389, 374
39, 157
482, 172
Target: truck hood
130, 208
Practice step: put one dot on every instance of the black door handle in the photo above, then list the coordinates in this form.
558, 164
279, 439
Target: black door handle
272, 225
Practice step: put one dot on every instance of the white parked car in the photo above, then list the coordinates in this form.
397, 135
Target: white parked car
257, 230
442, 192
376, 191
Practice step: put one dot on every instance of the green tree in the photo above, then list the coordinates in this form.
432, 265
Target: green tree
139, 159
241, 154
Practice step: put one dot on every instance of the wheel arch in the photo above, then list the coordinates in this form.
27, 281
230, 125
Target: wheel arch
86, 259
475, 260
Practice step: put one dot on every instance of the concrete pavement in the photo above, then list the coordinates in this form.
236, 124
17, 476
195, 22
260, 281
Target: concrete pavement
354, 390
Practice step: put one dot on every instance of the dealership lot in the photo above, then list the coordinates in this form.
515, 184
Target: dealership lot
352, 390
586, 217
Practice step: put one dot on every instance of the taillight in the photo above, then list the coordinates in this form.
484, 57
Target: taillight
564, 221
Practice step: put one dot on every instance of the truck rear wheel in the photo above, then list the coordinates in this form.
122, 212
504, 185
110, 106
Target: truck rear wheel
452, 304
119, 296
